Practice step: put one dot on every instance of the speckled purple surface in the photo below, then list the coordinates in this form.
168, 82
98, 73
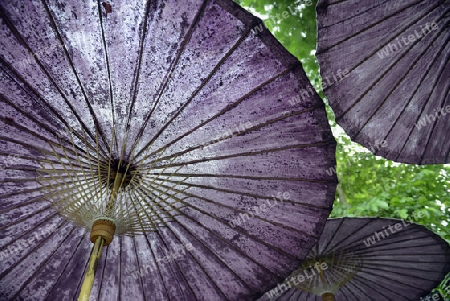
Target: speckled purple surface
190, 78
395, 98
404, 265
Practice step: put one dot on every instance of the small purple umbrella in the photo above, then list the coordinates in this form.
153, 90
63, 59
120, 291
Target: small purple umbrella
368, 259
162, 132
385, 70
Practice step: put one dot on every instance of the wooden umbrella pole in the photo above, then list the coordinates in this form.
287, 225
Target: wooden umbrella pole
328, 297
88, 281
102, 234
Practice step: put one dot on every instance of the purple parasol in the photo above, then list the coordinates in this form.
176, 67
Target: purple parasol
368, 259
385, 70
162, 132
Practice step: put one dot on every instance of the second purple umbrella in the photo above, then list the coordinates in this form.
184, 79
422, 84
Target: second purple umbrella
368, 259
385, 71
162, 132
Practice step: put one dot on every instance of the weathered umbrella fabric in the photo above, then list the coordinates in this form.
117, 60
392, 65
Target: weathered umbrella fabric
385, 70
368, 259
171, 120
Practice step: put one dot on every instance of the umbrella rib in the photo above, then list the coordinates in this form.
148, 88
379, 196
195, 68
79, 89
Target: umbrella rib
220, 113
274, 223
6, 100
29, 90
156, 264
23, 218
436, 121
360, 289
385, 72
235, 248
242, 193
180, 270
138, 264
203, 175
12, 266
19, 37
236, 229
69, 60
377, 266
374, 25
248, 130
356, 15
41, 266
167, 77
356, 244
414, 93
198, 89
215, 256
100, 284
247, 154
41, 150
378, 284
67, 264
29, 146
108, 69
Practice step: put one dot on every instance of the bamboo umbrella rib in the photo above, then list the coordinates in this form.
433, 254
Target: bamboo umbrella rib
12, 266
26, 88
203, 84
370, 26
212, 252
203, 268
23, 218
261, 218
235, 229
403, 78
246, 154
220, 113
167, 77
357, 14
383, 289
200, 175
328, 248
108, 70
179, 269
220, 238
259, 126
384, 73
68, 57
382, 271
29, 146
19, 37
74, 250
42, 264
41, 125
435, 85
243, 193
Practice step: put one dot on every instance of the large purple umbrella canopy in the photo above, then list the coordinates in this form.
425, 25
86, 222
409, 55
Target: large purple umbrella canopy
221, 183
385, 70
368, 259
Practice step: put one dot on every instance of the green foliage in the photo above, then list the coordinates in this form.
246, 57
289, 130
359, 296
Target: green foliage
293, 22
369, 185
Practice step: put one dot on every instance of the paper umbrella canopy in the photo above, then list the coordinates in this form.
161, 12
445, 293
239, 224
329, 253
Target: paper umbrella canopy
385, 70
368, 259
162, 132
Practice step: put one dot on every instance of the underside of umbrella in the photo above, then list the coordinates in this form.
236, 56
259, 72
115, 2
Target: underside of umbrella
385, 70
368, 259
164, 132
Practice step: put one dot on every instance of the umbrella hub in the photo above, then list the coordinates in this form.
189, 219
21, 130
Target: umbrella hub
128, 172
103, 228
